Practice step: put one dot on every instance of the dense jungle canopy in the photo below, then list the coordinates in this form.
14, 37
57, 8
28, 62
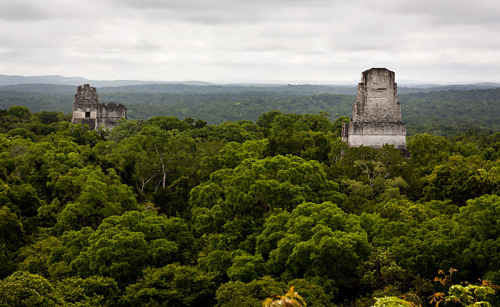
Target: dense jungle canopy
165, 211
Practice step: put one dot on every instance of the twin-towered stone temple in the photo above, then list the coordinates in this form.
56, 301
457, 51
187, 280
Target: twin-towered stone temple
88, 110
376, 114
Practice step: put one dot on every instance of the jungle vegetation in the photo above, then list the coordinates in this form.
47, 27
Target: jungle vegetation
179, 212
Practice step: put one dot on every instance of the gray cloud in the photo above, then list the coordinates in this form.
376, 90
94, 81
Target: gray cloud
21, 11
427, 40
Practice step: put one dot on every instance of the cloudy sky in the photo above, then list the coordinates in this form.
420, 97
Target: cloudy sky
440, 41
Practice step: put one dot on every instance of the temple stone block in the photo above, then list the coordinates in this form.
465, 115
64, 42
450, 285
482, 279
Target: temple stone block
88, 110
376, 114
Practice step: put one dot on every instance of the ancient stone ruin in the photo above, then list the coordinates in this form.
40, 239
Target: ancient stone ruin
88, 110
376, 114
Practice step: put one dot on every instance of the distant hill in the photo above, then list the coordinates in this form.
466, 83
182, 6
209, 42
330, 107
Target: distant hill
193, 87
61, 80
65, 85
182, 88
437, 88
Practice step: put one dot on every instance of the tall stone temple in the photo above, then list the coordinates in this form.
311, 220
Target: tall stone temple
376, 114
88, 110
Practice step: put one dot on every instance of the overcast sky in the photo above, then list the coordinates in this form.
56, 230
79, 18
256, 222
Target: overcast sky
440, 41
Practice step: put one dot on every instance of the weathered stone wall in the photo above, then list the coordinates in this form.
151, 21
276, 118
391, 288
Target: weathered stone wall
376, 114
375, 134
88, 110
111, 113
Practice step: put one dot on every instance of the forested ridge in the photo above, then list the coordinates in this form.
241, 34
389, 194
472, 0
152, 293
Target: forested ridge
178, 212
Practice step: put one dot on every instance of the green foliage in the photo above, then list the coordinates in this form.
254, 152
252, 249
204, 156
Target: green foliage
85, 196
232, 154
23, 199
450, 112
291, 298
36, 256
470, 295
460, 179
91, 291
168, 123
12, 236
464, 294
157, 161
248, 294
26, 289
372, 176
301, 135
122, 246
93, 218
20, 112
172, 285
427, 151
234, 200
477, 228
125, 129
320, 243
218, 261
266, 119
47, 117
314, 295
236, 294
239, 131
390, 301
381, 272
246, 268
22, 132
